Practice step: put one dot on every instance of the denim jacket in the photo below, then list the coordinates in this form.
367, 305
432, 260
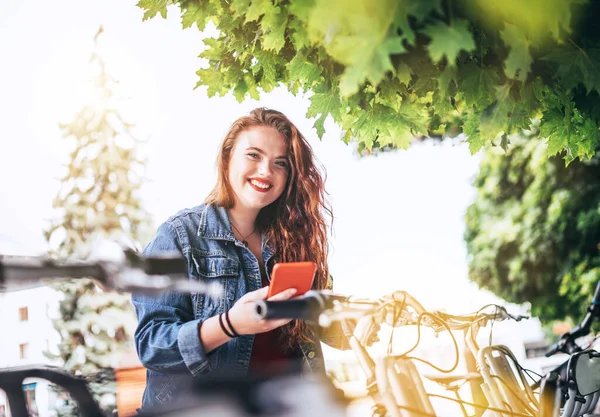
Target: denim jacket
167, 337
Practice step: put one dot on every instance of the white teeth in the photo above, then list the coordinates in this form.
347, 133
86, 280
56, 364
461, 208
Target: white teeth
260, 184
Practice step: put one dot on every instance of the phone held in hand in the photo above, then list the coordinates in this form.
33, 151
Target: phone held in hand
298, 275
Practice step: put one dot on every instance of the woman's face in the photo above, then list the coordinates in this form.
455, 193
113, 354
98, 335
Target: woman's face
258, 167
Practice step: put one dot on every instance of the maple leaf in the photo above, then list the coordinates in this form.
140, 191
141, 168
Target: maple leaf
576, 66
518, 62
154, 7
257, 9
357, 34
404, 73
273, 24
448, 41
301, 69
324, 101
198, 13
479, 85
239, 7
471, 131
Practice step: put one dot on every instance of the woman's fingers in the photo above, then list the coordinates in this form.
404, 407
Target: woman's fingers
283, 295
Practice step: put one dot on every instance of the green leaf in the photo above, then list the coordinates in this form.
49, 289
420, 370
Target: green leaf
566, 129
301, 9
518, 62
324, 101
301, 69
240, 7
357, 35
496, 118
258, 8
419, 10
153, 7
404, 73
471, 130
448, 41
273, 25
479, 85
300, 38
577, 66
240, 90
446, 77
373, 69
194, 12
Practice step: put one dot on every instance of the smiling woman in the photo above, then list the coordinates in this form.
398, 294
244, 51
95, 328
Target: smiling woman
258, 164
267, 206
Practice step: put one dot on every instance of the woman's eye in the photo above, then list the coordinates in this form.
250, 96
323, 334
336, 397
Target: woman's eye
281, 163
253, 155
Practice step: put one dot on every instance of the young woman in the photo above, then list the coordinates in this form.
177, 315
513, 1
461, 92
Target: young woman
267, 206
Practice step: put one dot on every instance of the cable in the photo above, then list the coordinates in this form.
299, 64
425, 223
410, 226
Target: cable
394, 320
515, 395
491, 329
592, 342
482, 407
507, 352
456, 349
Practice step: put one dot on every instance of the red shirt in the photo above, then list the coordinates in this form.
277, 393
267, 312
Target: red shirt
269, 355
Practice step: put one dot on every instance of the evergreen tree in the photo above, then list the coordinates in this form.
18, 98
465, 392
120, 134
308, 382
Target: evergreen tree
99, 198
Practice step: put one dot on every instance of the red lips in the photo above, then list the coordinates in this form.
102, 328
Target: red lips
261, 181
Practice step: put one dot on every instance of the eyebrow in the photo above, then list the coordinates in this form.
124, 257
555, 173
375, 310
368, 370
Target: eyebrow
260, 151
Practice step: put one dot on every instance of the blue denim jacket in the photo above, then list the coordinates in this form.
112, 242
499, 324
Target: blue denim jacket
167, 337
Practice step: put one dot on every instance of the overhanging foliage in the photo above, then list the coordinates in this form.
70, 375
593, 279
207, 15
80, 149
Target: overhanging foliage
388, 70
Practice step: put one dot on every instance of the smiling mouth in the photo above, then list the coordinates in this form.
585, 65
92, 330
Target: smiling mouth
260, 186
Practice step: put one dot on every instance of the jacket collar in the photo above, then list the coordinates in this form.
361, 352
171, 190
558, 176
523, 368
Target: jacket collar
214, 224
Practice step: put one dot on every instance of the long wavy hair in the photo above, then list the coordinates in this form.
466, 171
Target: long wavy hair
295, 224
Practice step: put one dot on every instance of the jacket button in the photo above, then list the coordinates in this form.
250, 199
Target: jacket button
311, 355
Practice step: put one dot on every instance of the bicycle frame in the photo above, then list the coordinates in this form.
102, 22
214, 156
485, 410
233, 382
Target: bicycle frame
392, 381
499, 377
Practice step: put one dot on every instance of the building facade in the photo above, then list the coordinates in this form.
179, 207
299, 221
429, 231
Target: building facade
27, 333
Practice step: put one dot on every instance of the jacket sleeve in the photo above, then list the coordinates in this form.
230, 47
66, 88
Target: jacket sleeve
167, 337
333, 335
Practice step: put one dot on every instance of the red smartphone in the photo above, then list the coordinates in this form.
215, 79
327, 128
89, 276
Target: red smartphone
298, 275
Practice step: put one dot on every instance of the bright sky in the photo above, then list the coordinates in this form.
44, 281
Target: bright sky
399, 216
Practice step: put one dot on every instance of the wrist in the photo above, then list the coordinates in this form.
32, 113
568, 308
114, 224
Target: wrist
227, 326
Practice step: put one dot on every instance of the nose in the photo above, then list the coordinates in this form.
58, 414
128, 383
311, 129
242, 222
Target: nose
264, 169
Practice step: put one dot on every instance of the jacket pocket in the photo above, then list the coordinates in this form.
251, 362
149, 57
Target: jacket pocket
216, 267
210, 266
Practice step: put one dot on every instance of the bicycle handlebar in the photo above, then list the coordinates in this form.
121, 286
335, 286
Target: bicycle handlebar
459, 322
306, 307
130, 273
326, 308
566, 343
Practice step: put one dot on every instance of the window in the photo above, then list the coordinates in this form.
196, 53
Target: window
23, 347
23, 314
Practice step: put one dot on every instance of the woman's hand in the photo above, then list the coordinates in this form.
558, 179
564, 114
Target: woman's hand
242, 314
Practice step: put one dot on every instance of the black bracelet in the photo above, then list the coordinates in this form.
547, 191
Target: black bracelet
236, 334
227, 332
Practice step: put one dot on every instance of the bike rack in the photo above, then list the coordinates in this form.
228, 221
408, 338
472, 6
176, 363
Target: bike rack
11, 381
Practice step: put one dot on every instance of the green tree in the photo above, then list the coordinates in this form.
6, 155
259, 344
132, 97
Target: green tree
99, 199
533, 232
389, 70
